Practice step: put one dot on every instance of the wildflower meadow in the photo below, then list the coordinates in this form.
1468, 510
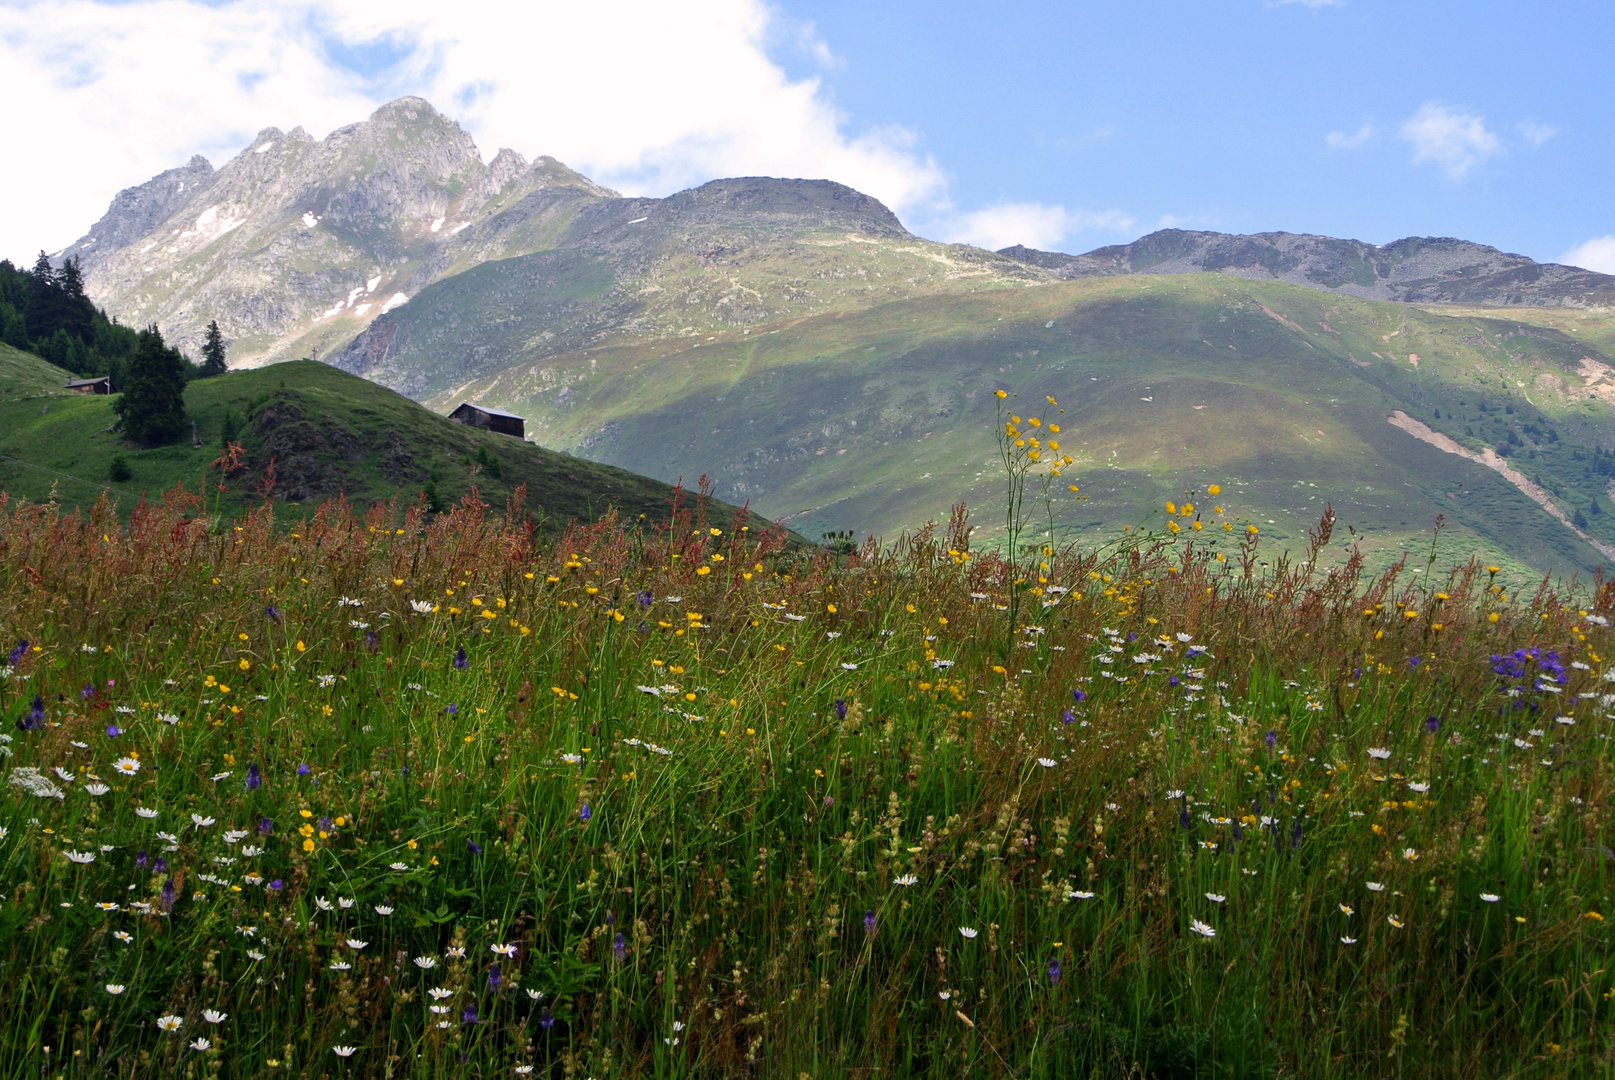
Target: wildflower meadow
378, 792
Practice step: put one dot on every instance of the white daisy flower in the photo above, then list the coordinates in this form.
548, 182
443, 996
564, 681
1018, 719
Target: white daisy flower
1202, 929
969, 932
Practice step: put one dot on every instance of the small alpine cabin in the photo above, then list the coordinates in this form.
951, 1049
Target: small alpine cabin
103, 385
478, 416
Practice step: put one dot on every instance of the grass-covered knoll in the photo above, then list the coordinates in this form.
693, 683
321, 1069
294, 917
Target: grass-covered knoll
321, 433
869, 420
22, 374
426, 797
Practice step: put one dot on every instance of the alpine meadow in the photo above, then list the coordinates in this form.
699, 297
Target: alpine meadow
460, 620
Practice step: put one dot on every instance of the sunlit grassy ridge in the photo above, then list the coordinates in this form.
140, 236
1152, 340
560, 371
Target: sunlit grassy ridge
672, 802
869, 420
306, 432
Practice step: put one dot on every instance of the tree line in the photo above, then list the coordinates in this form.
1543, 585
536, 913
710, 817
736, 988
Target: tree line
46, 312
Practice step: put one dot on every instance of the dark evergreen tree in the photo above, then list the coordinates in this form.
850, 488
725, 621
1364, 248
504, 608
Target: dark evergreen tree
70, 279
1579, 520
153, 403
213, 362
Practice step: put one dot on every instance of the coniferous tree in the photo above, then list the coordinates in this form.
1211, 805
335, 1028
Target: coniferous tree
153, 403
70, 279
213, 361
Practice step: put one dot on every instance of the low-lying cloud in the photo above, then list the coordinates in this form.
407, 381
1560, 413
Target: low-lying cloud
1037, 225
1595, 254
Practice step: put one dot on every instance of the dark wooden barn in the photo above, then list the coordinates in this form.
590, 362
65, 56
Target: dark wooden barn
487, 419
103, 385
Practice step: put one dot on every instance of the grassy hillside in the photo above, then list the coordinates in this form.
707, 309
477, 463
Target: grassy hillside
1592, 327
714, 260
24, 375
326, 432
878, 420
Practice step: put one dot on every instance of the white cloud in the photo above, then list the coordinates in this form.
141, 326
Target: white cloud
1455, 140
1596, 254
1339, 140
1036, 225
642, 95
1534, 132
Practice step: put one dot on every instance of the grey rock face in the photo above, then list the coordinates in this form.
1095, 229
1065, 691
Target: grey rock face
296, 244
1414, 270
136, 211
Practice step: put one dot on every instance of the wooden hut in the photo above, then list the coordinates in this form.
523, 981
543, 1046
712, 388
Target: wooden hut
479, 416
103, 385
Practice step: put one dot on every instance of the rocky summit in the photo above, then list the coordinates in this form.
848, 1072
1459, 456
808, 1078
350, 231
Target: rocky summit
296, 243
1417, 269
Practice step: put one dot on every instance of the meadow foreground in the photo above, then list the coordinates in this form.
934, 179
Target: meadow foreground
397, 795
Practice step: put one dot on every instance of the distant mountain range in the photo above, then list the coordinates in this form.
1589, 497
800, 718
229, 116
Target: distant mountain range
1418, 269
793, 340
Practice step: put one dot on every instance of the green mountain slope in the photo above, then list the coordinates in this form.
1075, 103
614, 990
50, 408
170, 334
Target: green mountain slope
325, 432
878, 420
25, 375
722, 257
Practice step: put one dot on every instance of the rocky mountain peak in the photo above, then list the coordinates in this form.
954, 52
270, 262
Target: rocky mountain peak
296, 243
1421, 269
135, 211
768, 200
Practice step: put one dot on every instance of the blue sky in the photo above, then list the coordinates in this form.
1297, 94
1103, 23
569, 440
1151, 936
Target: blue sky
1061, 125
1218, 115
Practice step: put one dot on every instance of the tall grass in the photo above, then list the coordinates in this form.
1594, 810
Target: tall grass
739, 810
